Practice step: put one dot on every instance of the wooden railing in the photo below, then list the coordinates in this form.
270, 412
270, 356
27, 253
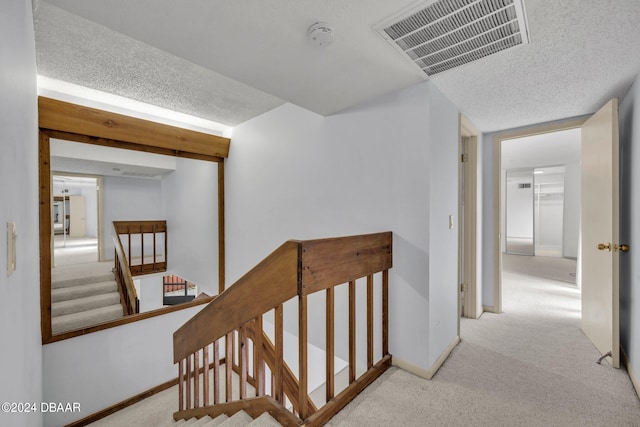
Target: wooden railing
128, 295
176, 290
229, 334
133, 233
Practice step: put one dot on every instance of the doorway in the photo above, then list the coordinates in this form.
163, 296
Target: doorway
76, 219
548, 233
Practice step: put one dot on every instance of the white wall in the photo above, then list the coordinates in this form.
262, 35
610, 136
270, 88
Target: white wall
292, 174
129, 199
90, 194
190, 206
21, 354
104, 368
629, 226
443, 240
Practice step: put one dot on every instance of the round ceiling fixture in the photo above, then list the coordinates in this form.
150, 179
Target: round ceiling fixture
320, 33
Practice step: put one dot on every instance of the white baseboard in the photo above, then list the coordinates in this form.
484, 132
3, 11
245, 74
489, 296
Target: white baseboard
634, 378
426, 373
488, 309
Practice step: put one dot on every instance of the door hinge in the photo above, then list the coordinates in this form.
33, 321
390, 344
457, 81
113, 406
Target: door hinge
464, 158
463, 287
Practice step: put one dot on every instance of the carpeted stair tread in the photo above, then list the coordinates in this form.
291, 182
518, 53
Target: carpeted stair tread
195, 422
265, 420
239, 419
217, 420
107, 277
77, 305
70, 322
201, 422
73, 292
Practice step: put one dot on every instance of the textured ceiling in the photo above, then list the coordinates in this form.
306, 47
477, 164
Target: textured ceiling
548, 149
78, 51
177, 54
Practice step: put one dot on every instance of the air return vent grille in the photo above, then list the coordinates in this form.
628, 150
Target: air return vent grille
449, 33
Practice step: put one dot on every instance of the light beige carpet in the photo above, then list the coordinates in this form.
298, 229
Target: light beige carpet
530, 366
74, 250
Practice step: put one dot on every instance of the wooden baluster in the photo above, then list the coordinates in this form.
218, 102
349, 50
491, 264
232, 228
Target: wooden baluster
181, 385
205, 376
278, 373
369, 321
385, 312
302, 356
258, 359
228, 364
330, 344
189, 382
154, 248
352, 331
129, 239
216, 372
141, 248
196, 379
165, 249
273, 385
243, 361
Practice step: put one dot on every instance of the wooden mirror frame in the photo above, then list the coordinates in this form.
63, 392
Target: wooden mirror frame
72, 122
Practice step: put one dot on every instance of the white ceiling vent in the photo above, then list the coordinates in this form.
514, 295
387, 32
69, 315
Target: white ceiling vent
448, 33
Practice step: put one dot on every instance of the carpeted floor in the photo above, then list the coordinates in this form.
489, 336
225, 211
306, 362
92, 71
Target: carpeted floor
530, 366
74, 250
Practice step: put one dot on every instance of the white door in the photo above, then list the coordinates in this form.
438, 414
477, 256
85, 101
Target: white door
600, 242
77, 216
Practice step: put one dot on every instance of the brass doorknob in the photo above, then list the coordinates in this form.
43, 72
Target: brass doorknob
624, 248
604, 247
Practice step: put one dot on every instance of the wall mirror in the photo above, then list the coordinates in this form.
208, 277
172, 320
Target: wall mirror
116, 188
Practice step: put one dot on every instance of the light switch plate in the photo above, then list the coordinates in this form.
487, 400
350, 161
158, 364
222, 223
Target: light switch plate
11, 247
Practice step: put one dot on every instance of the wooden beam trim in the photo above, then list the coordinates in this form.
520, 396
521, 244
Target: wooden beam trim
124, 145
63, 116
44, 171
221, 230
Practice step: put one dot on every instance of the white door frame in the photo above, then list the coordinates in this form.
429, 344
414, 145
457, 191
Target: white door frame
498, 217
468, 238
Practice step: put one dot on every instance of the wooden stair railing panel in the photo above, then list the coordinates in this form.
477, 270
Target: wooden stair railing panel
153, 228
270, 283
295, 269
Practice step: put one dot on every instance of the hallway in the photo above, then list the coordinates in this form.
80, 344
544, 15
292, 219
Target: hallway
530, 366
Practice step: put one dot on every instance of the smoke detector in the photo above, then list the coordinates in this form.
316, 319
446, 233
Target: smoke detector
320, 34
